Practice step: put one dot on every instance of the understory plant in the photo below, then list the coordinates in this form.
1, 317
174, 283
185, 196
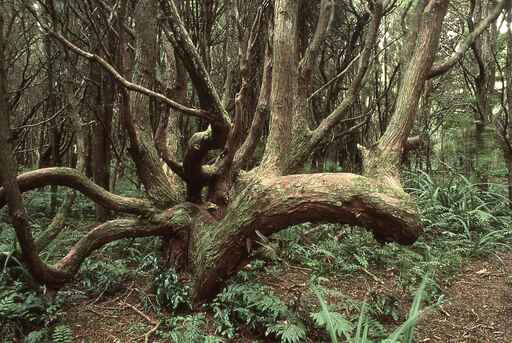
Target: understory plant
337, 326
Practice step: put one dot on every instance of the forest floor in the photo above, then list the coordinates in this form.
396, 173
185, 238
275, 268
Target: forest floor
477, 305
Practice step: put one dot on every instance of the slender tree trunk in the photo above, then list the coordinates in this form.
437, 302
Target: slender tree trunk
102, 132
8, 171
284, 87
484, 51
50, 109
505, 131
382, 161
136, 110
102, 151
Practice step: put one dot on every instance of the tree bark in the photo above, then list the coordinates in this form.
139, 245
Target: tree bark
214, 230
102, 132
483, 48
219, 249
504, 126
139, 128
382, 160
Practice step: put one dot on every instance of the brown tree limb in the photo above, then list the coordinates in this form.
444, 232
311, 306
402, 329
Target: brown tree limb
335, 116
162, 224
129, 85
248, 69
10, 190
216, 135
310, 59
382, 161
272, 204
69, 177
177, 90
246, 151
59, 220
136, 111
461, 48
208, 96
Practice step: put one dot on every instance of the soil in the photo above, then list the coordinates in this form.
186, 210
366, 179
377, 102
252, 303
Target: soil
477, 305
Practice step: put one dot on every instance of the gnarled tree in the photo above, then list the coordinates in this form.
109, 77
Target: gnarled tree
212, 223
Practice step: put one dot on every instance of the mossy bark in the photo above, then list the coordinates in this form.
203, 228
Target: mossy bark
220, 248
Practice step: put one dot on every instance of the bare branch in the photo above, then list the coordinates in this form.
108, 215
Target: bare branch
262, 111
71, 178
132, 86
325, 18
465, 44
332, 119
167, 223
208, 96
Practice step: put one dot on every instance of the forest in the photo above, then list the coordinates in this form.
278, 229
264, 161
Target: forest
288, 171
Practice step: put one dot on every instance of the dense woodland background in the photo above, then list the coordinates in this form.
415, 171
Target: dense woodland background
255, 171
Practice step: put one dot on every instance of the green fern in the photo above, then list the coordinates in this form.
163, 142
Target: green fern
288, 331
187, 329
40, 336
334, 320
337, 325
252, 305
170, 292
62, 334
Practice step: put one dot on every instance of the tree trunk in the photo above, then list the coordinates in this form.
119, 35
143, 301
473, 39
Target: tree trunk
284, 87
102, 132
382, 161
505, 131
137, 117
218, 249
484, 51
213, 232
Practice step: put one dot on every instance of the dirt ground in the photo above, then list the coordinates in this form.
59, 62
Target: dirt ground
477, 305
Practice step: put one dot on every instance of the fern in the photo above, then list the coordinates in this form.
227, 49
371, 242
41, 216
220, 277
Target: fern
62, 334
336, 325
170, 292
288, 331
336, 321
188, 329
253, 305
39, 336
104, 277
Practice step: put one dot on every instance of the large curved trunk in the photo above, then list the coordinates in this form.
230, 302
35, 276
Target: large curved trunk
220, 248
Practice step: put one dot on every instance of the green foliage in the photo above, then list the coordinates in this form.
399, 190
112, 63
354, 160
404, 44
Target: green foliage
336, 325
385, 307
459, 206
329, 252
289, 332
334, 322
478, 220
170, 292
104, 277
255, 306
461, 219
39, 336
24, 310
62, 334
187, 329
16, 305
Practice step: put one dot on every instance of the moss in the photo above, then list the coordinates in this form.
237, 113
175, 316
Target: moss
181, 217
